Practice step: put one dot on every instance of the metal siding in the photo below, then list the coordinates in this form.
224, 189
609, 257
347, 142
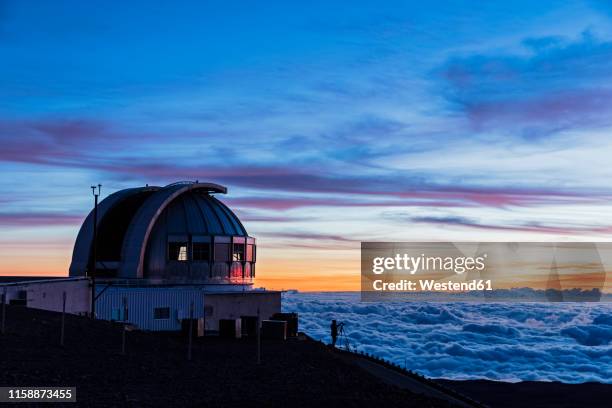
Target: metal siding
238, 227
176, 218
195, 220
142, 301
200, 271
228, 225
212, 218
220, 271
156, 256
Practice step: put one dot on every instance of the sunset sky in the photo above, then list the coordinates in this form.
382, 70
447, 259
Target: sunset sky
330, 122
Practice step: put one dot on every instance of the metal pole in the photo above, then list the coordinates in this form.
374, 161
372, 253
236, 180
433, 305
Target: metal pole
95, 236
92, 268
3, 309
95, 258
190, 331
93, 297
125, 317
63, 318
258, 331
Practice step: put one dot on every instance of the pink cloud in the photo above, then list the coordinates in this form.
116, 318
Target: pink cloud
521, 227
587, 107
39, 219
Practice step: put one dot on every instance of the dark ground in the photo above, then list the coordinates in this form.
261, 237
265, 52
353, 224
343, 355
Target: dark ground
535, 394
155, 371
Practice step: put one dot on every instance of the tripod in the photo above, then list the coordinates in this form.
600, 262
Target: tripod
343, 338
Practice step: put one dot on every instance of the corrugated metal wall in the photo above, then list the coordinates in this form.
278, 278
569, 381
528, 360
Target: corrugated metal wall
142, 302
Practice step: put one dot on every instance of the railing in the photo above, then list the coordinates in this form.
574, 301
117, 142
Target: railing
409, 373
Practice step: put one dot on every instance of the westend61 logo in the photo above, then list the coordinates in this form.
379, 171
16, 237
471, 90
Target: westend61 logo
499, 271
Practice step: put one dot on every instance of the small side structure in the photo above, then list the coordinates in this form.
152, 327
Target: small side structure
47, 293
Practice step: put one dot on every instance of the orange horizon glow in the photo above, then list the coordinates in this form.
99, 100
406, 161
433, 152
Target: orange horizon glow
310, 276
279, 266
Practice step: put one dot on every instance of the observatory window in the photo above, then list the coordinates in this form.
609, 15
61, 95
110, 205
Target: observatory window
160, 313
250, 253
177, 251
238, 252
201, 251
222, 252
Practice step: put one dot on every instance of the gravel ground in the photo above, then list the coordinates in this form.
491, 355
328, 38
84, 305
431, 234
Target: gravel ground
155, 371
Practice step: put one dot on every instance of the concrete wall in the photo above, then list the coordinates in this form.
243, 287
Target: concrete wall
234, 305
47, 294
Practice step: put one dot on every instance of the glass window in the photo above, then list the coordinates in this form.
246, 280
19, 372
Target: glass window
249, 255
177, 251
222, 252
236, 271
201, 251
238, 252
160, 313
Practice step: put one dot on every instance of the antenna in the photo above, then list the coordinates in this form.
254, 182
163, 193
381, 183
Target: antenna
92, 268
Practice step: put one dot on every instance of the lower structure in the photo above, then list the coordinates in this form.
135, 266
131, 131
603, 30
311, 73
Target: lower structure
146, 306
167, 308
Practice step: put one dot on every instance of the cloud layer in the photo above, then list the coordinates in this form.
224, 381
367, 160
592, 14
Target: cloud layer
569, 342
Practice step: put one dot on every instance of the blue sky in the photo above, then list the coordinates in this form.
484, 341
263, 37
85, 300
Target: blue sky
330, 122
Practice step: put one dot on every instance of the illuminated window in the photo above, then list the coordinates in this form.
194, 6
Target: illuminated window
201, 251
177, 251
238, 252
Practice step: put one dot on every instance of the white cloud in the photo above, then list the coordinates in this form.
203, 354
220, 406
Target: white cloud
568, 342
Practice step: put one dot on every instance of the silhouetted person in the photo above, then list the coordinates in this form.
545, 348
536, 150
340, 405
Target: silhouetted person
334, 332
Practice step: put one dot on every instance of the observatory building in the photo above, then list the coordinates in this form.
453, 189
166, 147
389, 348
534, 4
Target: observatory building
160, 256
180, 233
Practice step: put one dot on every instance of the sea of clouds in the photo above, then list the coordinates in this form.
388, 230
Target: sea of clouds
568, 342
